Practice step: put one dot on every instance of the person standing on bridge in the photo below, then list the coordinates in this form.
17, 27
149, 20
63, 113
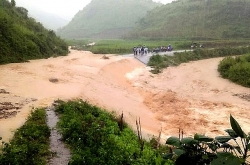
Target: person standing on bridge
138, 50
135, 51
142, 50
146, 50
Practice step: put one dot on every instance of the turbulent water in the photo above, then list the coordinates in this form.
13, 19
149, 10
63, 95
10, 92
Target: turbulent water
192, 96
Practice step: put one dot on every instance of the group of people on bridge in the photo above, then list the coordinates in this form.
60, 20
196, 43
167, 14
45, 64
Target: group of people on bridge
163, 49
140, 50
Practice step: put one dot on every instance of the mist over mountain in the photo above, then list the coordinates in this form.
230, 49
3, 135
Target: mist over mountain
49, 21
189, 19
107, 18
197, 19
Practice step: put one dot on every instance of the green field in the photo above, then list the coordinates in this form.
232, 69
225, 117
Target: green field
126, 46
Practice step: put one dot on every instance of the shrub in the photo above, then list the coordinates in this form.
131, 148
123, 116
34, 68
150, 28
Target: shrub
96, 137
236, 69
224, 66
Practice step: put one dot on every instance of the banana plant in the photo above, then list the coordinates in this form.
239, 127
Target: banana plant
236, 143
203, 150
197, 150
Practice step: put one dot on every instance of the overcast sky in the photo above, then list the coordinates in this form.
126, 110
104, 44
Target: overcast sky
58, 6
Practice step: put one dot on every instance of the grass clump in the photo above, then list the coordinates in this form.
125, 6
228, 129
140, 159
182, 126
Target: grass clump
236, 69
96, 137
30, 144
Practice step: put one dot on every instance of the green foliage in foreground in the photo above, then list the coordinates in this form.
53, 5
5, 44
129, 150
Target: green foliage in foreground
22, 38
96, 138
159, 62
236, 69
30, 144
221, 150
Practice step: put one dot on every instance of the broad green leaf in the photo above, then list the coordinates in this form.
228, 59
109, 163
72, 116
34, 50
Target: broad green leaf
168, 156
174, 141
223, 139
231, 133
203, 138
189, 141
225, 158
179, 152
226, 145
213, 146
236, 127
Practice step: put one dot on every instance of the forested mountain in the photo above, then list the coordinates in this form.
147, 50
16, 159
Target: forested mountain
22, 38
201, 19
107, 18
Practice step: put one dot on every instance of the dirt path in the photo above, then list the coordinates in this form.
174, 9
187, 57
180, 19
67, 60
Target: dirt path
192, 96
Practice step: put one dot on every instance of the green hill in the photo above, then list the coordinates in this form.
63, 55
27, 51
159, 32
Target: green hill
107, 18
22, 38
196, 19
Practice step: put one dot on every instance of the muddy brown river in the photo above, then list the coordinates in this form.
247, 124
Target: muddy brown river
192, 97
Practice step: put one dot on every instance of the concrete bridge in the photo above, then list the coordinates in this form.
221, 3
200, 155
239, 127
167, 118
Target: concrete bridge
145, 58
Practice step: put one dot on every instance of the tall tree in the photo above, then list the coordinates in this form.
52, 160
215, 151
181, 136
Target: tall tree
13, 3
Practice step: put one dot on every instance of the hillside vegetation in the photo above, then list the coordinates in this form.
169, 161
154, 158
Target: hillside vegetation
22, 38
196, 19
236, 69
106, 18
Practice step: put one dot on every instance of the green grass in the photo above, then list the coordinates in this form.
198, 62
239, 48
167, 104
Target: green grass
30, 144
95, 137
124, 46
120, 46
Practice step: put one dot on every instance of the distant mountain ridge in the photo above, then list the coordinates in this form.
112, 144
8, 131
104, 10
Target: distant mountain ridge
106, 18
50, 21
196, 19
